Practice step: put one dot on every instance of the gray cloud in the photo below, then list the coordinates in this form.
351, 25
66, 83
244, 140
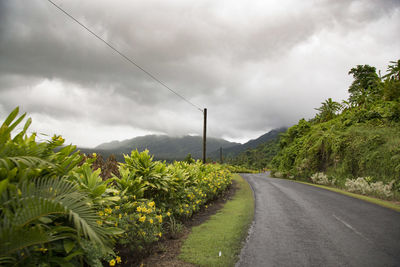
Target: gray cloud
255, 66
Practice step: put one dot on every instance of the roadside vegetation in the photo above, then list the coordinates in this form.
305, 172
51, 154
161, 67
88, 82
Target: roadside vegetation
218, 241
240, 169
58, 208
384, 203
354, 145
259, 157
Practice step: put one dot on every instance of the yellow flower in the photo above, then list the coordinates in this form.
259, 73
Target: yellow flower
168, 213
159, 217
139, 209
112, 262
151, 204
118, 259
116, 224
143, 218
99, 222
186, 205
120, 216
43, 250
107, 210
144, 209
151, 221
116, 207
101, 213
94, 154
160, 234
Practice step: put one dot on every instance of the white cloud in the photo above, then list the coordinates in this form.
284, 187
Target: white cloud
255, 65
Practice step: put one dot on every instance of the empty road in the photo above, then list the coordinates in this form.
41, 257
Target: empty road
302, 225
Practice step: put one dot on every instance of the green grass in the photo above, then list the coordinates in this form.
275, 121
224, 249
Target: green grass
380, 202
223, 232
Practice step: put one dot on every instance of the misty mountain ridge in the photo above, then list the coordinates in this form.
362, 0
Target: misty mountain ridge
165, 147
252, 144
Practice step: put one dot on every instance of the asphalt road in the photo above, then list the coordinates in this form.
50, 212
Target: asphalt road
302, 225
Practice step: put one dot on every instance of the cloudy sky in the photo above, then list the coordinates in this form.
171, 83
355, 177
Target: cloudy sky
255, 65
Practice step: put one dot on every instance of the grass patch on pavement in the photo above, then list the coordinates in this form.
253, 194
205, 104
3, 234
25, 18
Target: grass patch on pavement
380, 202
223, 232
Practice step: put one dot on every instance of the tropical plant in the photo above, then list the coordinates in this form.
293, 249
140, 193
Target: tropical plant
361, 141
328, 110
43, 216
366, 86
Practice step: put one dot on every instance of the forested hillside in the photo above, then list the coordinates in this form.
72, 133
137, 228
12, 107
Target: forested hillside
163, 147
257, 158
359, 137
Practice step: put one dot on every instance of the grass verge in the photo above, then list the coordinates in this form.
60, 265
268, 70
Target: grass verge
223, 232
380, 202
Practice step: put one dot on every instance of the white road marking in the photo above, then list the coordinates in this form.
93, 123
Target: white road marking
350, 227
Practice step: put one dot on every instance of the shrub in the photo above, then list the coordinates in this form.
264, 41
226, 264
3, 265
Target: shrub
321, 178
362, 186
55, 207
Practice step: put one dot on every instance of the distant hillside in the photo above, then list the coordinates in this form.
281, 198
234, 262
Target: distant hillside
162, 146
252, 144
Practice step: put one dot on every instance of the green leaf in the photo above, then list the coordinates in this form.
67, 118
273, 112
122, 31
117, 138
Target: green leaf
3, 185
45, 220
68, 245
11, 117
99, 190
115, 230
72, 255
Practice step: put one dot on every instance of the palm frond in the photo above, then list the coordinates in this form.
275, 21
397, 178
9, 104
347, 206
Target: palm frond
47, 197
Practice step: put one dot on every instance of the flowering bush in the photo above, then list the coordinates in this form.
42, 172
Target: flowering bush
55, 208
321, 178
363, 186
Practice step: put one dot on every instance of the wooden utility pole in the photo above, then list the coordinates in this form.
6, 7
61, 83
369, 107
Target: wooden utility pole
204, 136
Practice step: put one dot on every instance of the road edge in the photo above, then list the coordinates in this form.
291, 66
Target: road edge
376, 201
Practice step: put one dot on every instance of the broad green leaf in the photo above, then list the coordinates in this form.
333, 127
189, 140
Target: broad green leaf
3, 185
115, 230
45, 220
74, 254
68, 245
99, 190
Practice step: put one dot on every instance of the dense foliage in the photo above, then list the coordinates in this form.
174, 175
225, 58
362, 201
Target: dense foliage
357, 138
56, 210
258, 158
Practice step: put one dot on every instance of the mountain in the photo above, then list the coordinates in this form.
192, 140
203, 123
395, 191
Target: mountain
252, 144
162, 146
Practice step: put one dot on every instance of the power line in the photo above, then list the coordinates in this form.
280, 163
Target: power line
124, 56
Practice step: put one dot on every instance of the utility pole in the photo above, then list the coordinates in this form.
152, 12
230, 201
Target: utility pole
204, 136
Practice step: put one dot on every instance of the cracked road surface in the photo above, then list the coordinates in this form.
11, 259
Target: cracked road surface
301, 225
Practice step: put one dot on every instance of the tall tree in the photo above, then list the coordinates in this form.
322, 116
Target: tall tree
366, 86
393, 70
391, 87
